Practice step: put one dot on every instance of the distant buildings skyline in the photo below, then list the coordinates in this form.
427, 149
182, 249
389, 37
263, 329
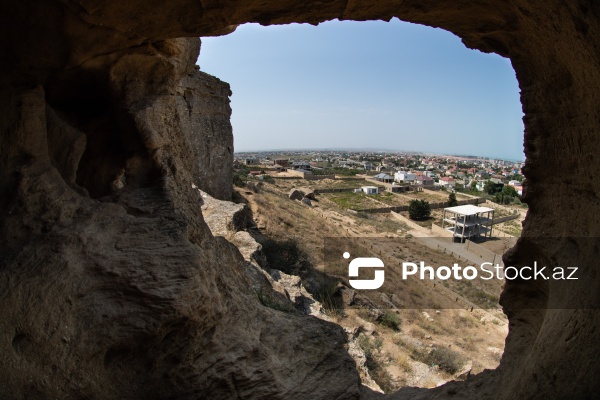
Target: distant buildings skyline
378, 150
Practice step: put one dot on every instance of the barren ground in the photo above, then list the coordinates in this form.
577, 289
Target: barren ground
422, 346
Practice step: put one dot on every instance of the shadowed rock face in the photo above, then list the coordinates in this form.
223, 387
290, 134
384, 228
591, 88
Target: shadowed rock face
111, 284
126, 293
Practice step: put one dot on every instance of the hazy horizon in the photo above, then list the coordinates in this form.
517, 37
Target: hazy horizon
372, 150
395, 86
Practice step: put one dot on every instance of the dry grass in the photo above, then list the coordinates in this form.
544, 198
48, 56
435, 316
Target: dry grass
284, 220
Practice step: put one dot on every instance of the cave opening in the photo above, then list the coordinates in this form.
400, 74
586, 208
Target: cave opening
550, 351
93, 140
279, 103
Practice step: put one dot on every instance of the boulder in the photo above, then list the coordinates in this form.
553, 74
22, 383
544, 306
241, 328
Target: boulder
465, 371
295, 194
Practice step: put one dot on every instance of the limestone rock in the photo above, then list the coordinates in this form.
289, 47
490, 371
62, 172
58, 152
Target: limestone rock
295, 194
309, 193
204, 113
465, 371
427, 316
224, 217
292, 287
359, 357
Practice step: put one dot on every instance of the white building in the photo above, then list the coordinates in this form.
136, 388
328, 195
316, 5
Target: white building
370, 189
403, 176
518, 187
447, 182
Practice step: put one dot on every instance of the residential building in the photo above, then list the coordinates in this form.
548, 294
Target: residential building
518, 187
447, 182
381, 177
403, 176
284, 162
301, 165
370, 189
250, 161
425, 180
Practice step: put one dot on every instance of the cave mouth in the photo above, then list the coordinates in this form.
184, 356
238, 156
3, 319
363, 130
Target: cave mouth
251, 113
93, 139
550, 353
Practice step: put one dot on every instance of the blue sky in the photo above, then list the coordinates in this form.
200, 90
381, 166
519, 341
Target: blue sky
383, 85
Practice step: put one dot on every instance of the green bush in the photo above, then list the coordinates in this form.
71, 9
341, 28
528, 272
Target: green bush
452, 202
374, 364
419, 210
268, 179
369, 347
391, 320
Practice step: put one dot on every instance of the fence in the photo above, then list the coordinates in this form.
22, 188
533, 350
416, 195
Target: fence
504, 219
485, 254
433, 206
339, 190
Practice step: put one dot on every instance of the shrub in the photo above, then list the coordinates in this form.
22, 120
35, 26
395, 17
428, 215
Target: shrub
374, 365
391, 320
268, 179
286, 256
369, 347
327, 295
419, 209
452, 202
448, 360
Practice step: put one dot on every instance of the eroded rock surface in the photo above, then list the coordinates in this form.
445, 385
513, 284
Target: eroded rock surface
112, 284
204, 114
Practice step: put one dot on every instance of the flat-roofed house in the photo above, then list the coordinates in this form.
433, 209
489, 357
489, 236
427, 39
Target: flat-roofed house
403, 176
370, 189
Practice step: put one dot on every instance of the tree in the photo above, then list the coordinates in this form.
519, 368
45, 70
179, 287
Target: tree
419, 210
474, 186
452, 202
489, 187
507, 195
509, 191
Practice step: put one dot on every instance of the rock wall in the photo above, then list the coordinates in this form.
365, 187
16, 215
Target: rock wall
112, 285
204, 114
